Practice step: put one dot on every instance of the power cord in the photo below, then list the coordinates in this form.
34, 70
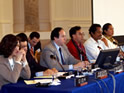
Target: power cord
114, 82
99, 86
105, 85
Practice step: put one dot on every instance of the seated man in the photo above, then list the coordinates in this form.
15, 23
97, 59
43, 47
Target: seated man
75, 45
34, 46
94, 44
56, 54
36, 69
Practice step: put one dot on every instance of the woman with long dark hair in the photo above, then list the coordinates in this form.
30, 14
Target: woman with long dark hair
13, 63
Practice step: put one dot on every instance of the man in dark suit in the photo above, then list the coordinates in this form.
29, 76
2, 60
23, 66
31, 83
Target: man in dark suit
36, 68
75, 45
56, 54
34, 45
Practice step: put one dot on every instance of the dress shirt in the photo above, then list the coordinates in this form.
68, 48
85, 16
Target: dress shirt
11, 62
29, 45
92, 48
57, 47
37, 74
110, 44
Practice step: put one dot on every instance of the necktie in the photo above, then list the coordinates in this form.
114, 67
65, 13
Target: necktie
60, 51
32, 51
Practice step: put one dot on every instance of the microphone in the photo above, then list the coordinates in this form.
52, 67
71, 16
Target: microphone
54, 58
114, 42
99, 47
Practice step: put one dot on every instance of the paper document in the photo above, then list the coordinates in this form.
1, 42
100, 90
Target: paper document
50, 76
44, 77
53, 82
28, 82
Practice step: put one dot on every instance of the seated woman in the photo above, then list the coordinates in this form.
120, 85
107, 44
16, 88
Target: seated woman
108, 39
13, 63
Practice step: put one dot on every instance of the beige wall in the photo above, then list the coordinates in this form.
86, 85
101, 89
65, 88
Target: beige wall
64, 13
6, 17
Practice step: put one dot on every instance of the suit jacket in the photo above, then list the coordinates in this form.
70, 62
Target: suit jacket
74, 51
47, 61
7, 75
34, 66
38, 46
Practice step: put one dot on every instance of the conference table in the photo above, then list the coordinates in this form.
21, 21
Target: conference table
67, 86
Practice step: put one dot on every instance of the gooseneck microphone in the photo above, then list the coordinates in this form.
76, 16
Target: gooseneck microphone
54, 58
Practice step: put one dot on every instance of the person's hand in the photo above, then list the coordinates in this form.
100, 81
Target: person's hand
19, 55
79, 65
87, 64
54, 70
48, 72
24, 57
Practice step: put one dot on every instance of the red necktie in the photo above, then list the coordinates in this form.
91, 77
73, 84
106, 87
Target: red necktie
32, 51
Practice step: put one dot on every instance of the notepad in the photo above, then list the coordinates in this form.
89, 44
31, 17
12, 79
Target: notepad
28, 82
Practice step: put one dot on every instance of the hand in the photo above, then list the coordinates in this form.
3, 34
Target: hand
54, 70
79, 65
87, 64
24, 57
48, 72
19, 55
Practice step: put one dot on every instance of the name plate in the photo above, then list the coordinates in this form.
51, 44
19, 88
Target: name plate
101, 74
81, 81
118, 69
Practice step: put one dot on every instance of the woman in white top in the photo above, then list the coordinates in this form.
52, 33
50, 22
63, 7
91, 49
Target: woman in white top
13, 63
108, 39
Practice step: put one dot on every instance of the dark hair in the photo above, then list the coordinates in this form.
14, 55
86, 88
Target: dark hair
73, 30
22, 37
8, 44
34, 34
93, 28
105, 27
55, 32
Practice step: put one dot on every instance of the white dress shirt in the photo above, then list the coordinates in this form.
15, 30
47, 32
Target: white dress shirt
11, 62
92, 48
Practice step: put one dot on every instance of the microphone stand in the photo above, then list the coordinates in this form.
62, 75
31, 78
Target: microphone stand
54, 58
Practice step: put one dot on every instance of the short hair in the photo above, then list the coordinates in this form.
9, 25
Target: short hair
8, 44
22, 37
34, 34
73, 30
55, 32
93, 28
105, 27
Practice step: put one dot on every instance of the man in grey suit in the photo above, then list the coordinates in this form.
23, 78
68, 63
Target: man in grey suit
56, 54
